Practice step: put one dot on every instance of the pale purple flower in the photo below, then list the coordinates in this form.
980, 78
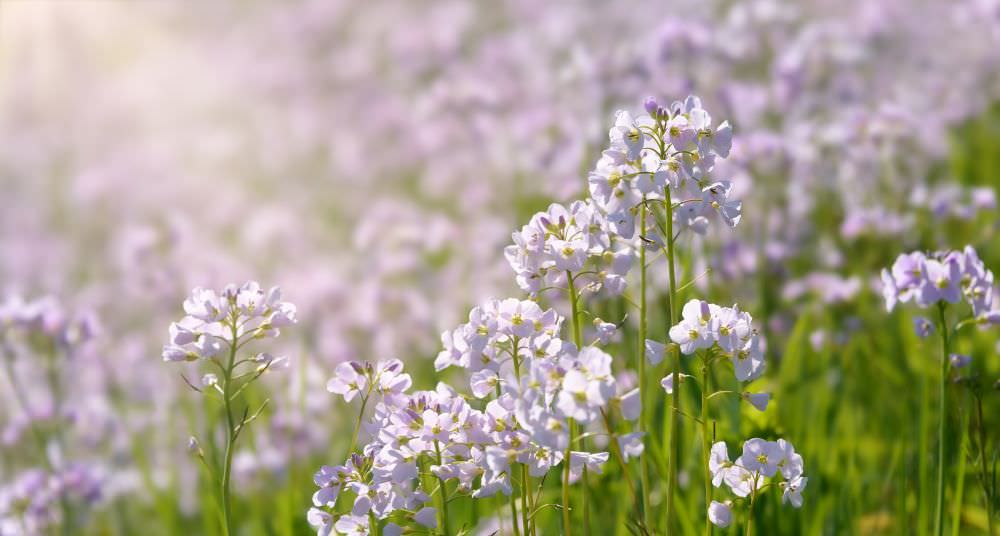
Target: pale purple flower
632, 445
922, 327
720, 514
760, 456
757, 400
959, 360
654, 352
321, 521
631, 405
348, 380
352, 525
427, 517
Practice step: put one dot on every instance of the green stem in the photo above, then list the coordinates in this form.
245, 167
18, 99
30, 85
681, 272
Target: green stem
675, 398
644, 458
577, 339
513, 504
357, 426
753, 499
706, 441
230, 435
960, 473
617, 451
443, 511
525, 492
984, 471
942, 418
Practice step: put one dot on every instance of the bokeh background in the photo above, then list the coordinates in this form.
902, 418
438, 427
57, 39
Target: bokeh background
372, 158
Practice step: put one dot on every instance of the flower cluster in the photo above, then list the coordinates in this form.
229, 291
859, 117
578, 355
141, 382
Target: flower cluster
762, 463
436, 431
497, 332
536, 384
941, 277
218, 321
563, 241
673, 147
35, 501
45, 319
726, 330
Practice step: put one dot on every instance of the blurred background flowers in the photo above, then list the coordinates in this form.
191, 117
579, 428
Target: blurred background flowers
373, 157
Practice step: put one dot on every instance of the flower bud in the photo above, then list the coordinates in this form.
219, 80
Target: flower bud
651, 106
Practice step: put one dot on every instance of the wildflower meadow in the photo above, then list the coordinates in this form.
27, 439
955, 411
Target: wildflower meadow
518, 268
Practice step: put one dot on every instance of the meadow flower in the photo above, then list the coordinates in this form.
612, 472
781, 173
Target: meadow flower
427, 516
654, 351
218, 321
593, 462
945, 277
630, 404
757, 400
791, 490
728, 329
632, 445
720, 514
959, 360
760, 456
922, 327
348, 380
560, 240
667, 383
718, 462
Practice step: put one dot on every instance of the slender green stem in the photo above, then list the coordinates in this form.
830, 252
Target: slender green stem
644, 458
956, 523
675, 399
525, 492
513, 504
357, 425
578, 340
230, 435
753, 498
443, 511
942, 418
617, 451
706, 441
574, 305
985, 479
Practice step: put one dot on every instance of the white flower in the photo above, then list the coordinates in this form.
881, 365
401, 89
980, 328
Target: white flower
792, 491
692, 332
748, 363
740, 481
579, 460
668, 382
718, 463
